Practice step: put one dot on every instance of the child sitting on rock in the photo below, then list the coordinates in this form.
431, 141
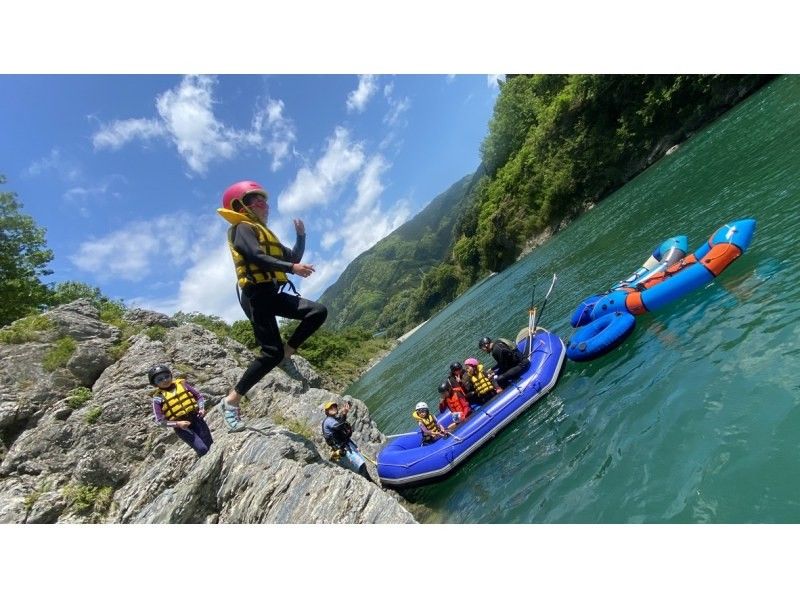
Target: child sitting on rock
178, 406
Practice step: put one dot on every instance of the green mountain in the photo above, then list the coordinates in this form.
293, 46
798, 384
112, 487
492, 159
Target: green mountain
375, 289
556, 144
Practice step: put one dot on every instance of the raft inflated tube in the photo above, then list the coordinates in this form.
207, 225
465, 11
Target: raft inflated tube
724, 246
583, 313
655, 285
614, 301
738, 233
600, 336
406, 462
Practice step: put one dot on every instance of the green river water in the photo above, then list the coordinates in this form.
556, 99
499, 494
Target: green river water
696, 417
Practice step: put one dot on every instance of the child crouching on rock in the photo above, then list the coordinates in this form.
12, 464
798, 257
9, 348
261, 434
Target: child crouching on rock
337, 433
178, 406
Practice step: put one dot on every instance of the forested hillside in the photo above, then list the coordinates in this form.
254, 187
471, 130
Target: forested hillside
376, 288
556, 144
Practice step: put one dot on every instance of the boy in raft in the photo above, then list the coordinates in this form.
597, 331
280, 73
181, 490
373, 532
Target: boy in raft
480, 389
457, 379
337, 433
178, 406
453, 398
431, 429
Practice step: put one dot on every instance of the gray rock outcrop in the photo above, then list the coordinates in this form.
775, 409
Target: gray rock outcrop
70, 455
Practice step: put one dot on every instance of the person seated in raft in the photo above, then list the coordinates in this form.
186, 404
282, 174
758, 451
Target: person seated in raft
510, 363
337, 432
458, 379
431, 429
178, 406
454, 399
480, 389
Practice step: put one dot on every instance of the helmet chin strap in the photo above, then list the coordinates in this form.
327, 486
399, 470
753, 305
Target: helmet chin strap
253, 216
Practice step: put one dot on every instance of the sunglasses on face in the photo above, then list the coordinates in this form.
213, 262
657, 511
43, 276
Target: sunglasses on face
162, 378
254, 199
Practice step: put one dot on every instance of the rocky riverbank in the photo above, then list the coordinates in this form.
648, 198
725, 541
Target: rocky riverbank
79, 443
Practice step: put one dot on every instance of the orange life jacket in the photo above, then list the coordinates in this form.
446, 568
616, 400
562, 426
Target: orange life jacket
456, 401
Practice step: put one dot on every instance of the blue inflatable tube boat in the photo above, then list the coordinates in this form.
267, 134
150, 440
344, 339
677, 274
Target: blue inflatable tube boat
405, 461
666, 276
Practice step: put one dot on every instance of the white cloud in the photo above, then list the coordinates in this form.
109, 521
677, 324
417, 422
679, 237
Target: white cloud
327, 271
140, 252
358, 98
369, 185
81, 196
365, 222
281, 133
209, 286
492, 80
186, 118
118, 133
396, 109
141, 248
123, 254
329, 239
323, 182
66, 169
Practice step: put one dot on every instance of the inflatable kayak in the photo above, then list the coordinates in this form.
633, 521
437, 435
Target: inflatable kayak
405, 461
606, 320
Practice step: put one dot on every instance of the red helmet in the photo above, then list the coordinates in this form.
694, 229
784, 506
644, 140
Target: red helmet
232, 198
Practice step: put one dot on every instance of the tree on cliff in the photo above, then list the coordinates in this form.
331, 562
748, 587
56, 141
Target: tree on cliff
23, 260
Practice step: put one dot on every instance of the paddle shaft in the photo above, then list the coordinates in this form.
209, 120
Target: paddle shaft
544, 303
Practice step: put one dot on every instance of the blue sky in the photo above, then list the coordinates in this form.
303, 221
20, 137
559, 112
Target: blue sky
125, 171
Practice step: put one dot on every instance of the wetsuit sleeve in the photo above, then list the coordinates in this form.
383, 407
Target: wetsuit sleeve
246, 243
201, 401
159, 415
295, 254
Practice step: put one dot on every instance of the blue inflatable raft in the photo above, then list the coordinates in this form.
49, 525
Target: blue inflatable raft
405, 461
605, 320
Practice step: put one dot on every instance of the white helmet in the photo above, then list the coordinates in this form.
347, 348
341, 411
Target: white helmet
421, 405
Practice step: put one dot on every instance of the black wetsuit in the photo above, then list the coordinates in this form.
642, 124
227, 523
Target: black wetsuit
510, 363
263, 302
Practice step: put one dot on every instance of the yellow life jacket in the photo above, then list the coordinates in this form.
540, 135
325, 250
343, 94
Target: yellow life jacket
178, 402
429, 422
482, 384
246, 272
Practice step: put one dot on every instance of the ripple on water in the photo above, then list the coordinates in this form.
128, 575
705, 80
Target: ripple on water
696, 417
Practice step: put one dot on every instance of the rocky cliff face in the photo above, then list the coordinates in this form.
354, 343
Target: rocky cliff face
70, 455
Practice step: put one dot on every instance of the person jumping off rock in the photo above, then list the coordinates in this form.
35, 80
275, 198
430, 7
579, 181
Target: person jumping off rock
262, 264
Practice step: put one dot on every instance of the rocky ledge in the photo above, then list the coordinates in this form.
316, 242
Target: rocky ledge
79, 443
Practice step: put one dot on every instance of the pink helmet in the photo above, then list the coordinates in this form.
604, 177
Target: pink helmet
471, 361
232, 198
